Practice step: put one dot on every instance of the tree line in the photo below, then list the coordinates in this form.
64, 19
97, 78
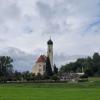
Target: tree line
7, 73
89, 65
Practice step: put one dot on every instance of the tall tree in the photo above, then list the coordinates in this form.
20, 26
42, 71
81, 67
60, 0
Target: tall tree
96, 57
55, 69
17, 76
48, 67
26, 75
5, 65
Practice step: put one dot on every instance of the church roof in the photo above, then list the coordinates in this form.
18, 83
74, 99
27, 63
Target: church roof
50, 42
42, 58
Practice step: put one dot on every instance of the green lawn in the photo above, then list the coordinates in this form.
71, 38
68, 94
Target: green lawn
47, 91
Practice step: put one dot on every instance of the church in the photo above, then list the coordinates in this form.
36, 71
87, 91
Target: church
40, 65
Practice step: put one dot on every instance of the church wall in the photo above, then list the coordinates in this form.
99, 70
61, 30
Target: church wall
39, 68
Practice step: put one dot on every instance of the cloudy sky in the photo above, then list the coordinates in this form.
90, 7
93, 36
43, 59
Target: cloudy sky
26, 25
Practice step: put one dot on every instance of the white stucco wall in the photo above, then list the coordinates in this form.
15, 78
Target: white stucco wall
39, 68
50, 54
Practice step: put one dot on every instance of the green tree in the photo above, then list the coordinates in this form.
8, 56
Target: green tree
26, 75
39, 76
96, 64
89, 65
55, 77
32, 76
96, 57
48, 67
17, 76
55, 69
6, 67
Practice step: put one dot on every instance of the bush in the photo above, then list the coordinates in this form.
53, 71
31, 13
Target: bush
55, 77
84, 76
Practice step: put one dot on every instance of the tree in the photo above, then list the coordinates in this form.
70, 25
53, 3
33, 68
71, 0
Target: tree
90, 65
55, 77
32, 76
39, 76
17, 76
96, 64
48, 67
96, 57
26, 75
6, 67
55, 69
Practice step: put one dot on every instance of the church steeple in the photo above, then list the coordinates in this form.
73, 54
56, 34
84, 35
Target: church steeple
50, 51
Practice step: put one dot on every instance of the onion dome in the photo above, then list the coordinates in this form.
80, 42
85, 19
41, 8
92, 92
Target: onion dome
50, 42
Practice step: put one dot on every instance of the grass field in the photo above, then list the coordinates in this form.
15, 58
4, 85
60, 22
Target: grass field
50, 91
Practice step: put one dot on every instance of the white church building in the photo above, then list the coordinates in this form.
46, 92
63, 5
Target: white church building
40, 64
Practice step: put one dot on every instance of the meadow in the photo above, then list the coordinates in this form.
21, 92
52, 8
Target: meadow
50, 91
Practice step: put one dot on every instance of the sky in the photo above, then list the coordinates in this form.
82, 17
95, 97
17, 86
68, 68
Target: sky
27, 25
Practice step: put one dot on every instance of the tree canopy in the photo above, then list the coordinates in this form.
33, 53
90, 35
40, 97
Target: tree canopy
48, 68
89, 65
6, 67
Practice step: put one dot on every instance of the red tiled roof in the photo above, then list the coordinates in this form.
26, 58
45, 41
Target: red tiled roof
42, 58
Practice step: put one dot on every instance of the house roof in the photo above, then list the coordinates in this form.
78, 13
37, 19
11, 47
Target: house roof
42, 58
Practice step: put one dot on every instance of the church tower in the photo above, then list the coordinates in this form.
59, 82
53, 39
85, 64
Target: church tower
50, 52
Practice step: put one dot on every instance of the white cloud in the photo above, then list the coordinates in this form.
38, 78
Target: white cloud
22, 61
74, 26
